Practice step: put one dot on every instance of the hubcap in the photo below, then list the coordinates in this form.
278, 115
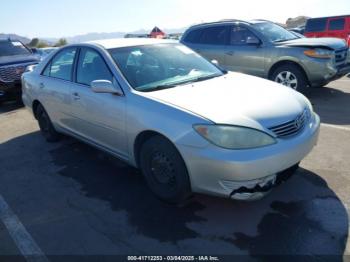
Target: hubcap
162, 169
288, 79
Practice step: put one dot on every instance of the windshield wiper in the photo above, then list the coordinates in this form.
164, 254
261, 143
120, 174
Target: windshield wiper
159, 87
166, 86
202, 78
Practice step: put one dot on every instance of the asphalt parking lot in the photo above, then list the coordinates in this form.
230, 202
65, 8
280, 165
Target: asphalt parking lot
72, 199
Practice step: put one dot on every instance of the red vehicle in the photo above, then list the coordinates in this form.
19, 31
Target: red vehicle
336, 26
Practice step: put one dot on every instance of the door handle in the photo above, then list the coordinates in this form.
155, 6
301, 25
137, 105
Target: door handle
76, 96
41, 85
231, 53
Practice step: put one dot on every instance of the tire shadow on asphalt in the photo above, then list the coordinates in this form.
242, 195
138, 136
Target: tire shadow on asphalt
7, 107
332, 105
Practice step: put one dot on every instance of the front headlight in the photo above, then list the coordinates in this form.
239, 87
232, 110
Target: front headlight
319, 53
234, 137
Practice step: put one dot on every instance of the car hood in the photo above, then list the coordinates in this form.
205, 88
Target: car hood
18, 59
236, 99
327, 42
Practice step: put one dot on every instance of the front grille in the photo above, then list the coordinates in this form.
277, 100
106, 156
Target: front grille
11, 73
341, 56
292, 127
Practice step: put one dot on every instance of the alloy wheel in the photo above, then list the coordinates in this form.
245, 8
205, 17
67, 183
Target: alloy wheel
288, 79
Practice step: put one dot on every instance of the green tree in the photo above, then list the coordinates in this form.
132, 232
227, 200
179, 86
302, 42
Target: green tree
34, 42
42, 44
61, 42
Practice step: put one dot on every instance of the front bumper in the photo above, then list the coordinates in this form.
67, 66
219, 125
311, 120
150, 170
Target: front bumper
218, 171
320, 73
10, 91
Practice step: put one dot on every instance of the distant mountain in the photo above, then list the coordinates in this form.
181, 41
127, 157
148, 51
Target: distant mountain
23, 39
99, 36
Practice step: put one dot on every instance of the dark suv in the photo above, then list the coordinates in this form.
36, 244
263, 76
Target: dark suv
265, 49
14, 58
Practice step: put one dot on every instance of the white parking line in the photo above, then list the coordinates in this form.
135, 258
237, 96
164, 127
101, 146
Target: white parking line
23, 240
336, 127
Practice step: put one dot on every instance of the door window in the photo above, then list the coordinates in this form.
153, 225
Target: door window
241, 36
337, 24
215, 35
316, 25
61, 65
91, 67
193, 37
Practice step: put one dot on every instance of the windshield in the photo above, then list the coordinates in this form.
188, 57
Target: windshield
273, 32
10, 48
153, 67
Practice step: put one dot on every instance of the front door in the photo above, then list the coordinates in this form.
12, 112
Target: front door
100, 117
245, 53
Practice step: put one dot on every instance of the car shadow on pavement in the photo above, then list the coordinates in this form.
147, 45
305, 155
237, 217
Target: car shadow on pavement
7, 107
302, 216
332, 105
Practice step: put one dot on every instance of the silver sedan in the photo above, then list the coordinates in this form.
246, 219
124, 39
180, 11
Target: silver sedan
186, 123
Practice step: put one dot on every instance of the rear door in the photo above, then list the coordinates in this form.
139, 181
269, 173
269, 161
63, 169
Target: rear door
211, 42
54, 86
99, 117
337, 28
242, 54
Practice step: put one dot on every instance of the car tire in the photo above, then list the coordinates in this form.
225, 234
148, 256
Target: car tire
291, 76
45, 124
164, 170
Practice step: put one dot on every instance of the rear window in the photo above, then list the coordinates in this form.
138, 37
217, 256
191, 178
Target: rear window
215, 35
316, 25
337, 24
10, 48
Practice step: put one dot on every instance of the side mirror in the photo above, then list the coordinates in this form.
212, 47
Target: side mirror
252, 40
105, 86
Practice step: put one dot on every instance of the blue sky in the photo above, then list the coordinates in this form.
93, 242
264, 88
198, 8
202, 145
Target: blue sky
46, 18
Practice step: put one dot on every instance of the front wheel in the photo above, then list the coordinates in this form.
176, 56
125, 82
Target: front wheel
291, 76
165, 170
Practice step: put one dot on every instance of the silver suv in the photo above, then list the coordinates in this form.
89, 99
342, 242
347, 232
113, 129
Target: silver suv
267, 50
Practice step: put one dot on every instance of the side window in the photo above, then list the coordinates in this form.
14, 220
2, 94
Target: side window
241, 36
337, 24
316, 25
215, 35
61, 65
193, 36
91, 66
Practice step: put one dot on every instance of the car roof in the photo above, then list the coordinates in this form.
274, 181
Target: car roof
230, 21
125, 42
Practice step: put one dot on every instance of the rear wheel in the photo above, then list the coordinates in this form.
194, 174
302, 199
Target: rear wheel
292, 76
165, 170
45, 124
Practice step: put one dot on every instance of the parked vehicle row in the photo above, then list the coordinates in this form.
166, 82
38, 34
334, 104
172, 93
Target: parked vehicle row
267, 50
42, 53
187, 124
14, 58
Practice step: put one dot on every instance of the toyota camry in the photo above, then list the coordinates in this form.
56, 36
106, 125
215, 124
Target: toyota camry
187, 124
